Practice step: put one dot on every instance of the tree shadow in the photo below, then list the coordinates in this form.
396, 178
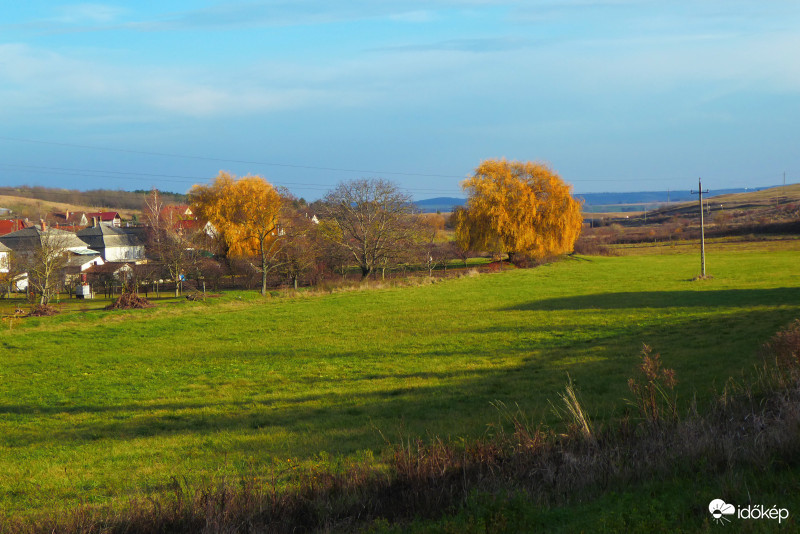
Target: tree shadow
666, 299
458, 403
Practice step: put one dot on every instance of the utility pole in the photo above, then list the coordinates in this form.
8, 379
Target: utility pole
702, 228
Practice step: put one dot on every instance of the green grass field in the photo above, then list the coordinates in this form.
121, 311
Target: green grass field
100, 406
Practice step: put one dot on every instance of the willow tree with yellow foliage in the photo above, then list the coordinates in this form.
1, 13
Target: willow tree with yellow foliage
245, 213
518, 208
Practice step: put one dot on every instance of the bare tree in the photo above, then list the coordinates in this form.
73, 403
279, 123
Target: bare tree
368, 218
302, 246
169, 239
431, 230
45, 264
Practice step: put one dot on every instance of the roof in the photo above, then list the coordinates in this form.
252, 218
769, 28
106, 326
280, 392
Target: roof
180, 212
77, 260
74, 218
31, 239
4, 248
11, 225
109, 268
103, 215
102, 236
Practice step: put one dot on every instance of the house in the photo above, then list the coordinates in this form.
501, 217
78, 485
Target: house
26, 242
107, 218
113, 244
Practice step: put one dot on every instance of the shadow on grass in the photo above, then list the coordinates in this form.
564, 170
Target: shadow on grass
667, 299
346, 422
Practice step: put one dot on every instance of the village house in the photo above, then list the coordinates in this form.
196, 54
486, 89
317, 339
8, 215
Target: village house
90, 247
26, 242
113, 244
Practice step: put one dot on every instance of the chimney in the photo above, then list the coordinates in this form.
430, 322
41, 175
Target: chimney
44, 225
94, 222
66, 215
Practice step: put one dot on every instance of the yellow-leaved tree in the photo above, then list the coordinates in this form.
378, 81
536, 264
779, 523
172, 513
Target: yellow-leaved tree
518, 208
245, 214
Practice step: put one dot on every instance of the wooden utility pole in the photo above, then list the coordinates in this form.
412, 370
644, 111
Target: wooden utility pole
702, 228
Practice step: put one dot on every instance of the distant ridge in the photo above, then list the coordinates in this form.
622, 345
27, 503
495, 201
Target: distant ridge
636, 201
442, 204
633, 201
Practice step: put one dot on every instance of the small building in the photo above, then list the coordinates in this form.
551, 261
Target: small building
80, 261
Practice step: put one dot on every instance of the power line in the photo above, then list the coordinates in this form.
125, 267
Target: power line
226, 160
293, 166
310, 186
149, 177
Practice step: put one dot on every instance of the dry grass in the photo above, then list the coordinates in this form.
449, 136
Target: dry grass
44, 207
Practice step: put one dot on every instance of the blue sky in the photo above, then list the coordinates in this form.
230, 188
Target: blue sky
616, 95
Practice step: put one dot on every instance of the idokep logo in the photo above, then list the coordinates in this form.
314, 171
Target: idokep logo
723, 512
719, 509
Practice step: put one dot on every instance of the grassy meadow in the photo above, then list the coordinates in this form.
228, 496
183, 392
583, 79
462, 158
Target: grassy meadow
98, 407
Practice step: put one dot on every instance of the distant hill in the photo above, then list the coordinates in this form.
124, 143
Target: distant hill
597, 202
106, 198
442, 204
603, 202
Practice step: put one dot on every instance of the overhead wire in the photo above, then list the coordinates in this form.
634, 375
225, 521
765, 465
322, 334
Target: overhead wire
169, 178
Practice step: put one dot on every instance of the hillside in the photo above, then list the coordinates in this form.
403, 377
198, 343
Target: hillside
775, 203
35, 209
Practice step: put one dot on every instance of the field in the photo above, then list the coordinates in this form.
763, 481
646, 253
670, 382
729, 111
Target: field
98, 407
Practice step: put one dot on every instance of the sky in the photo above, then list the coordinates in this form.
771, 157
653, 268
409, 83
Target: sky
614, 95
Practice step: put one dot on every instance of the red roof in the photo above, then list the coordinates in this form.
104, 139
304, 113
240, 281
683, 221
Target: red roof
11, 225
179, 212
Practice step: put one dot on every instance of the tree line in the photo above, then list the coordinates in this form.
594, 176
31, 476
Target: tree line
518, 209
246, 227
114, 199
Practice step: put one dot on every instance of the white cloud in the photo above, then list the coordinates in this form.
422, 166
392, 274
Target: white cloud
88, 14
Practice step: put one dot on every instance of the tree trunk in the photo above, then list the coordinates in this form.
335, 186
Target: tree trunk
365, 272
263, 269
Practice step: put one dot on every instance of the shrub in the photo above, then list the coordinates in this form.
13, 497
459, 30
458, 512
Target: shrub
784, 349
654, 393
